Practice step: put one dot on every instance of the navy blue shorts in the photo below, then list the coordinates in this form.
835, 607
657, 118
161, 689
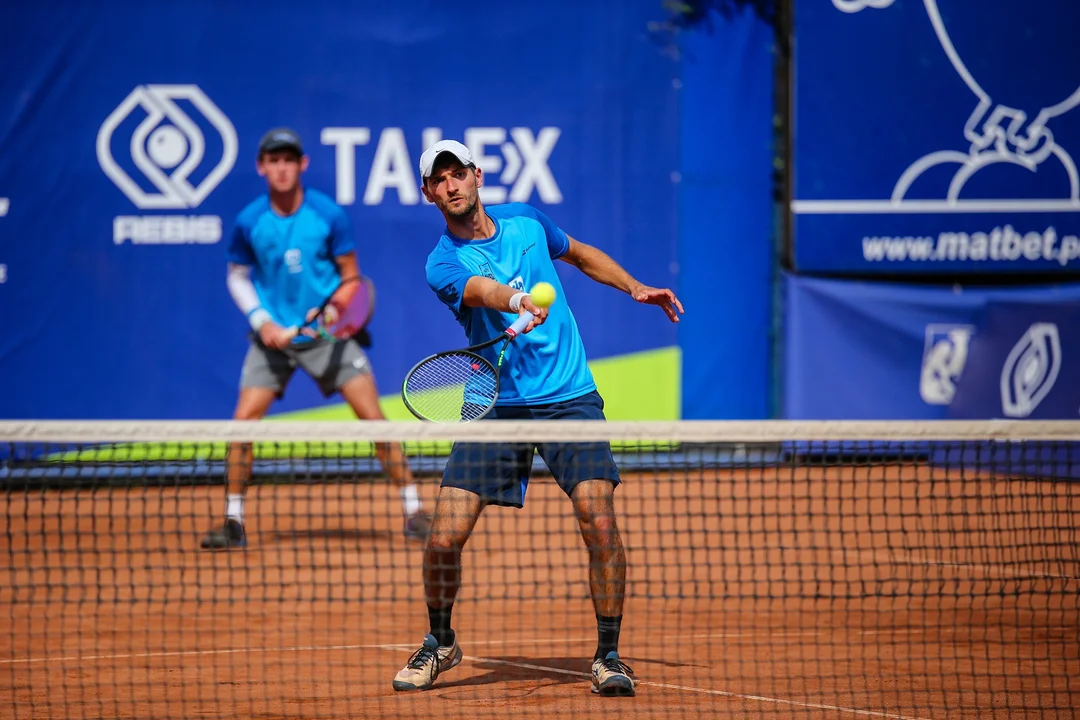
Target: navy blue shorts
499, 472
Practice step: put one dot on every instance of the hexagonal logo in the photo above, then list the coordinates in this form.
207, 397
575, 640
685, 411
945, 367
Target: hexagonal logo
170, 163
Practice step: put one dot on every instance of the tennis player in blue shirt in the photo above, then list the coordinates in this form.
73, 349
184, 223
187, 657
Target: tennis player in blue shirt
290, 249
480, 268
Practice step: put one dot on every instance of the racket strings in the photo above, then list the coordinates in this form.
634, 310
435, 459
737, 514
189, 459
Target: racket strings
451, 388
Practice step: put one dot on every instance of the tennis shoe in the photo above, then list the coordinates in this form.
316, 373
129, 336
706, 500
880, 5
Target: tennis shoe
426, 664
229, 535
418, 526
612, 677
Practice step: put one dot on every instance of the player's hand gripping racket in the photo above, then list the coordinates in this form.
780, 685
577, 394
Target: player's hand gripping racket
329, 321
458, 386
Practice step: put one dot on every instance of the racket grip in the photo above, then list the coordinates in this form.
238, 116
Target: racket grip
524, 319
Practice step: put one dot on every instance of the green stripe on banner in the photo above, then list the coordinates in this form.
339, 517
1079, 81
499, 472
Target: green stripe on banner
639, 386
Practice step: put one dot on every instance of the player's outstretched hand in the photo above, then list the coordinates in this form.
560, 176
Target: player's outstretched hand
276, 337
659, 296
540, 314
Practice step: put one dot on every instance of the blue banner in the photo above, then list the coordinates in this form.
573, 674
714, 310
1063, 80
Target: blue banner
883, 351
129, 133
936, 136
725, 217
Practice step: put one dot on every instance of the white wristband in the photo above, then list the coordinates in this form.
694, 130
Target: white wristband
258, 318
515, 301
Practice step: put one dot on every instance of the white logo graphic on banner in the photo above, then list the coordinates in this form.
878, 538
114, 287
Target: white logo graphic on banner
854, 6
944, 356
998, 131
1030, 370
166, 148
157, 147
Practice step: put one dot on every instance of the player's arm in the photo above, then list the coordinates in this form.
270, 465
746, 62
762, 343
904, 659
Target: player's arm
241, 258
487, 293
458, 288
341, 245
246, 298
348, 270
598, 265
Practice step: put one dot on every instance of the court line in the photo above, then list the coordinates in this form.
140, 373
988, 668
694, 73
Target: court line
291, 648
814, 633
765, 634
190, 653
901, 557
515, 641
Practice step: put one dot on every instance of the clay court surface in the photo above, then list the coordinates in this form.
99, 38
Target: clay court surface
847, 592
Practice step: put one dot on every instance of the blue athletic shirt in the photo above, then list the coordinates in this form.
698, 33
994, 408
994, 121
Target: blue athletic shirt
547, 365
292, 258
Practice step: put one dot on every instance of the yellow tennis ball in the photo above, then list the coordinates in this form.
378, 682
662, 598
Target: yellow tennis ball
543, 294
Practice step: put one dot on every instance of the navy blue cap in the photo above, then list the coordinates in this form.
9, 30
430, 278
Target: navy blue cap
281, 139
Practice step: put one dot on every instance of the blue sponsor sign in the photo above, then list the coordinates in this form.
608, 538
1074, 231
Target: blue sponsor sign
936, 136
883, 351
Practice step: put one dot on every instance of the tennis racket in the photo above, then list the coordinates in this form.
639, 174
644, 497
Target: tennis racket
458, 386
329, 322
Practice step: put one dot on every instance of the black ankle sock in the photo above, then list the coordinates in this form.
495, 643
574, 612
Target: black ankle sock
607, 630
440, 624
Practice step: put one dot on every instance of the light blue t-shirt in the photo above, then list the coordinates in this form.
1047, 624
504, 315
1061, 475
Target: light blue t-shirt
292, 258
548, 364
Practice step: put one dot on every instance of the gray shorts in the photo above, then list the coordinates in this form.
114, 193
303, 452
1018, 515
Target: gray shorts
331, 363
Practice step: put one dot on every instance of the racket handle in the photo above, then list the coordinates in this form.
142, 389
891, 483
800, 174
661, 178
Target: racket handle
523, 320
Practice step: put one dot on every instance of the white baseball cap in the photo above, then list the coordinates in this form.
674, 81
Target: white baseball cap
427, 160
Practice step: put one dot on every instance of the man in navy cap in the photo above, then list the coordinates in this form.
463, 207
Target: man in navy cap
290, 249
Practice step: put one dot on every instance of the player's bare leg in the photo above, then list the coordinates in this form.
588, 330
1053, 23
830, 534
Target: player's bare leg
594, 504
252, 404
456, 513
362, 396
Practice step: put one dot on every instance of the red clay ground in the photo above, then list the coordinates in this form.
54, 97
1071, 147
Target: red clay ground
845, 592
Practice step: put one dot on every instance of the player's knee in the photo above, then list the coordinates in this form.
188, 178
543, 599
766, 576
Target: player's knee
600, 527
441, 542
604, 523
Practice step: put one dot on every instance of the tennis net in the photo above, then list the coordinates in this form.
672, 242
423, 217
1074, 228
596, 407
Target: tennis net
774, 569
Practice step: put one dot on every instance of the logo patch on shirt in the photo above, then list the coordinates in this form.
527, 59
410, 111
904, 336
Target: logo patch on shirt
485, 270
527, 249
